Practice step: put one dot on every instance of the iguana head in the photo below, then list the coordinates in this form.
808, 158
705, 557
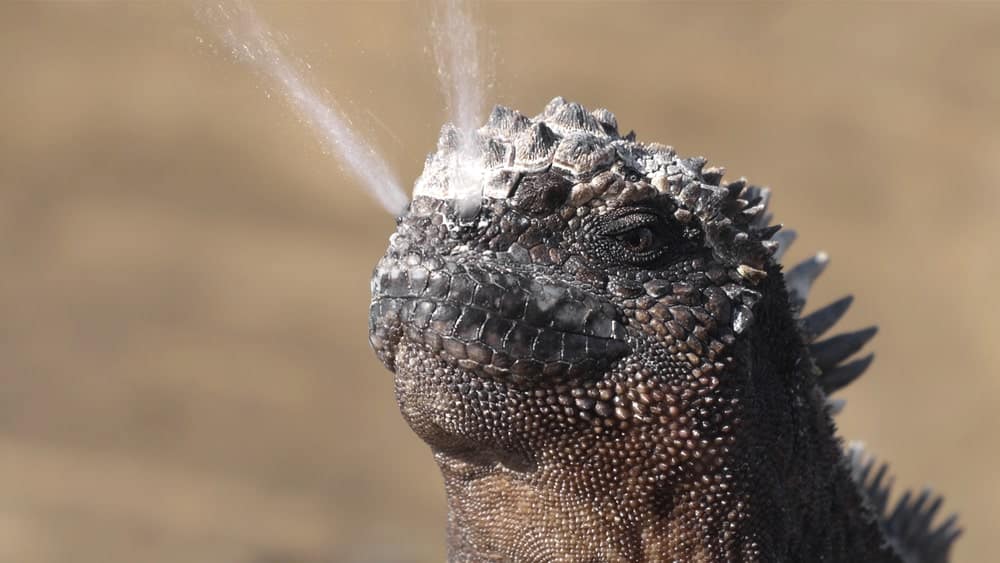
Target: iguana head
594, 337
578, 300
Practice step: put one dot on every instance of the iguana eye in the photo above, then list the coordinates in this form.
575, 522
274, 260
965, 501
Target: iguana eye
636, 238
640, 239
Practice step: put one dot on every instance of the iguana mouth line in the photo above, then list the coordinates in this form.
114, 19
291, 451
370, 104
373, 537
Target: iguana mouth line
480, 339
498, 323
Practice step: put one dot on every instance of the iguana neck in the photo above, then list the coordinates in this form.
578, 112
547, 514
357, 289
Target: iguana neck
497, 514
792, 502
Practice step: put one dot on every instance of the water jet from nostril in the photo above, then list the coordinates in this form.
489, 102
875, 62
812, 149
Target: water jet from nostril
251, 42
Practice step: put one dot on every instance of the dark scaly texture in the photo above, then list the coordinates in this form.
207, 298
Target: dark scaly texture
597, 342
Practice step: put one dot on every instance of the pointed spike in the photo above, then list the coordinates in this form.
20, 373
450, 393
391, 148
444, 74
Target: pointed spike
535, 144
898, 516
574, 116
553, 106
879, 500
876, 483
908, 527
765, 196
863, 466
842, 376
801, 277
945, 535
836, 406
855, 453
492, 152
785, 238
950, 522
821, 320
752, 212
768, 232
498, 115
448, 138
733, 206
927, 515
830, 352
506, 122
713, 175
752, 193
607, 120
878, 492
736, 187
915, 513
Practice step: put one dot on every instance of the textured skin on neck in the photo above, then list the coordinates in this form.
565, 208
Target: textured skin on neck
594, 338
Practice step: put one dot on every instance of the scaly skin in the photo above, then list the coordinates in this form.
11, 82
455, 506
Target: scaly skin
601, 351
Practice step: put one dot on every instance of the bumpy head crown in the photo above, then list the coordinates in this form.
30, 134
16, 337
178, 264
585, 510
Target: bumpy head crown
567, 139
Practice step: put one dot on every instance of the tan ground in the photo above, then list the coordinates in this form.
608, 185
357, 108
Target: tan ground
184, 370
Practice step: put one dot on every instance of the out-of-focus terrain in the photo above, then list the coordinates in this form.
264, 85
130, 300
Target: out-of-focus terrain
184, 367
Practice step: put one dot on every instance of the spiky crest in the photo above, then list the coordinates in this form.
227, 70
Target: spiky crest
907, 525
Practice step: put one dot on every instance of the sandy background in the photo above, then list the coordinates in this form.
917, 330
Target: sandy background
184, 368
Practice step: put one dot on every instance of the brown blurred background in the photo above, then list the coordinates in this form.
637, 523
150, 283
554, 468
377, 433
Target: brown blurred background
184, 367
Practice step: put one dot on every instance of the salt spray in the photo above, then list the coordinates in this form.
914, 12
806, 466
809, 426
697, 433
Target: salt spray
459, 71
250, 41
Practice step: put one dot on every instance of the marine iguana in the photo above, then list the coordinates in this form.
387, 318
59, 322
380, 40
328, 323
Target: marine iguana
596, 338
